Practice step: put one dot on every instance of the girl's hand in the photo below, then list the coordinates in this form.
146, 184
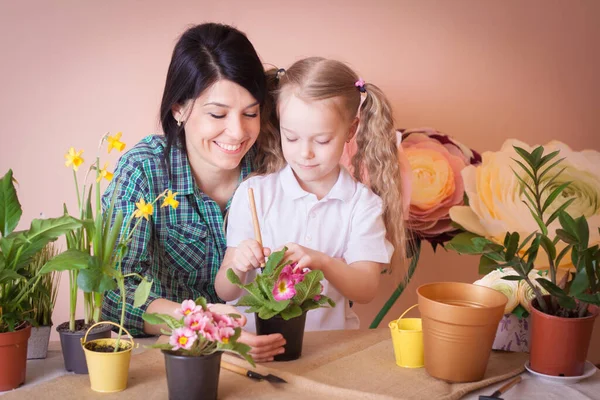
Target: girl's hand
264, 347
305, 257
249, 255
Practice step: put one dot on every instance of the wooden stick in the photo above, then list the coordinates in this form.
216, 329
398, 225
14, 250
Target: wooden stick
257, 234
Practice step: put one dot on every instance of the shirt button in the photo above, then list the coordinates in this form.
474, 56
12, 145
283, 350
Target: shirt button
308, 238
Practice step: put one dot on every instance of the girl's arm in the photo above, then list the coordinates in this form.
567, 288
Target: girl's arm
358, 281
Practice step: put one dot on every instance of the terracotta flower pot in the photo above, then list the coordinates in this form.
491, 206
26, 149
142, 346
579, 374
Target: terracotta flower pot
559, 346
459, 326
13, 358
292, 331
191, 377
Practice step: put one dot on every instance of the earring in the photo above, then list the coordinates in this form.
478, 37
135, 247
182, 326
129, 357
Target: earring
178, 122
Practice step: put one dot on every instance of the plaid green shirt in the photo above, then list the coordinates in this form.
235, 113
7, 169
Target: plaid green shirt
179, 249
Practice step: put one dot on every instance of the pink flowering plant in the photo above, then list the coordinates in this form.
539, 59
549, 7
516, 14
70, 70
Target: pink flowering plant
282, 289
199, 331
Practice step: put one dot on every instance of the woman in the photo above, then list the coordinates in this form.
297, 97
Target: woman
214, 95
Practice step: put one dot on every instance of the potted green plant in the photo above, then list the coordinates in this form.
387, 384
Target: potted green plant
17, 249
196, 342
80, 246
41, 301
281, 296
563, 319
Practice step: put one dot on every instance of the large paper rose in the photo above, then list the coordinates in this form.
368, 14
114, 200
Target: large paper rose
436, 162
496, 202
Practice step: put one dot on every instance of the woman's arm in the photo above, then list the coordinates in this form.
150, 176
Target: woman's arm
226, 290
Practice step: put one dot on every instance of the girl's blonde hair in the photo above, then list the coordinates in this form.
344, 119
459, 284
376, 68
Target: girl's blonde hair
376, 160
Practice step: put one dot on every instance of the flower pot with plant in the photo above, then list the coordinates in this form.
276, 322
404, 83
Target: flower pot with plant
553, 204
196, 342
41, 301
17, 250
281, 296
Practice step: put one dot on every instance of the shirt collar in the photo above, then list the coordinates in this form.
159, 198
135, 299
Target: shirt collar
182, 180
343, 189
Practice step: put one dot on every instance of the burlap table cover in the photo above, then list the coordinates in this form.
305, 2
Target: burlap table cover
334, 365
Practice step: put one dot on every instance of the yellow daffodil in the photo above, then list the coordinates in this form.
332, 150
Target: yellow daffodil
73, 158
114, 142
143, 209
170, 200
104, 173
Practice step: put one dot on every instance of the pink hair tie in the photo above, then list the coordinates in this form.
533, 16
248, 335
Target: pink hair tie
360, 84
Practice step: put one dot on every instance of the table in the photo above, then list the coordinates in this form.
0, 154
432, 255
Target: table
334, 365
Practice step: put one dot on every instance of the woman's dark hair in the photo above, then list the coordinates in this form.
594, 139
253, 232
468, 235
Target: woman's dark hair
203, 55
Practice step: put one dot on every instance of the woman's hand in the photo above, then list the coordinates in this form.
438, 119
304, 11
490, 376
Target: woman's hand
264, 347
249, 255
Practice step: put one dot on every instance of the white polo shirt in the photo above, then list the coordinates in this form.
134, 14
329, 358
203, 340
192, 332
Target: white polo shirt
347, 223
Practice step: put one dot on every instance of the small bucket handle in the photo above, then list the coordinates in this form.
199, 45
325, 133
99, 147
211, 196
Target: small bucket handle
407, 310
84, 341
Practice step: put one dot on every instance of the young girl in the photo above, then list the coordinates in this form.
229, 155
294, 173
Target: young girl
306, 201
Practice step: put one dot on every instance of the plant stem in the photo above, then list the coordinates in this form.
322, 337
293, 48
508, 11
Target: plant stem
77, 190
538, 295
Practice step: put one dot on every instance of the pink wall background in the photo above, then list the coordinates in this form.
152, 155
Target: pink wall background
482, 71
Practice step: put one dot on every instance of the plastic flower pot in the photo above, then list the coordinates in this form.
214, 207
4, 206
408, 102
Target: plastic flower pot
292, 331
108, 370
459, 326
559, 346
37, 346
70, 342
192, 377
13, 358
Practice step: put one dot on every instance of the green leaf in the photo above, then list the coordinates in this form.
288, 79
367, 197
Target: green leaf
563, 299
550, 181
555, 193
142, 292
51, 228
309, 287
233, 278
463, 243
520, 312
511, 248
161, 346
10, 208
536, 156
512, 278
292, 311
267, 313
580, 284
548, 247
69, 260
537, 219
249, 300
94, 279
486, 265
527, 170
568, 224
566, 237
547, 158
273, 261
559, 210
525, 185
201, 301
111, 238
7, 275
590, 298
583, 232
525, 156
157, 319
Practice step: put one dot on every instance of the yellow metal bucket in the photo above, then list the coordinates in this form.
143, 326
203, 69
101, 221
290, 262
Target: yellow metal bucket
108, 371
407, 338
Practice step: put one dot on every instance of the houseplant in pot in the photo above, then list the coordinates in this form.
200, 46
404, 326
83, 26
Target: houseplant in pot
17, 249
281, 296
545, 215
80, 246
41, 301
196, 342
